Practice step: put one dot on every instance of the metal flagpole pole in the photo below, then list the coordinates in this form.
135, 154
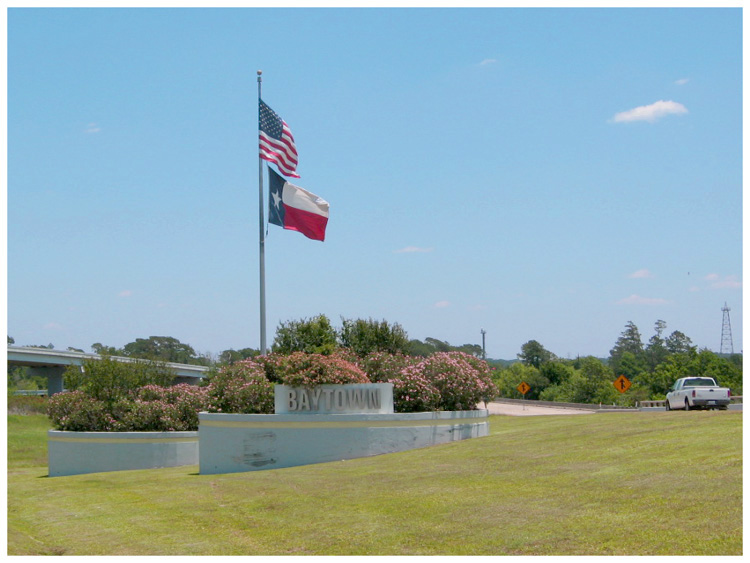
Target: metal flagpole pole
262, 238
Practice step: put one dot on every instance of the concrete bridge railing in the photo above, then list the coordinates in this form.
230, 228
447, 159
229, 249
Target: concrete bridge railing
52, 364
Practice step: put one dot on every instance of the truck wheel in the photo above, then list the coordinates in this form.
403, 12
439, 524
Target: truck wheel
667, 403
687, 405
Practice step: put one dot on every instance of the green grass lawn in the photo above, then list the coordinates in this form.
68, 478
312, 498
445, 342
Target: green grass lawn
649, 483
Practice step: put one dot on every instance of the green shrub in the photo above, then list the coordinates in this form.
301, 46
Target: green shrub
241, 388
366, 336
110, 380
314, 336
382, 367
26, 404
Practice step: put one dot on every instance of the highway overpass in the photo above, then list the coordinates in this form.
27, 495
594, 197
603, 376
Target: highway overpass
52, 364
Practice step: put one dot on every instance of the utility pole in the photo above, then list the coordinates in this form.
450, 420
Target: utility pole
484, 351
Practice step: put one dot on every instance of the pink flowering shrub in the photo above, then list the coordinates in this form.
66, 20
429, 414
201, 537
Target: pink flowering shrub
178, 406
152, 409
274, 366
308, 370
241, 388
412, 392
75, 411
447, 381
460, 384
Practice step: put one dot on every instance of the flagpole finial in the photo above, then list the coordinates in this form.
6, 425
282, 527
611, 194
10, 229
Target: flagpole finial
260, 72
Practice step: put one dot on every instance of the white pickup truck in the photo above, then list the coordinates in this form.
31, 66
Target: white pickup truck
697, 393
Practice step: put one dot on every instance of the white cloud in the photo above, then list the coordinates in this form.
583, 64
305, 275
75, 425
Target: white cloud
125, 293
650, 113
729, 282
412, 249
638, 300
92, 128
682, 81
486, 62
442, 304
712, 277
639, 274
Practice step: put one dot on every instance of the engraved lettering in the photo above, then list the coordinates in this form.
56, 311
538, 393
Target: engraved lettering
356, 398
292, 399
373, 398
315, 397
304, 400
327, 393
339, 402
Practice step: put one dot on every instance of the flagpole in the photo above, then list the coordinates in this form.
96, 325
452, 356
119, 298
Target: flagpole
261, 239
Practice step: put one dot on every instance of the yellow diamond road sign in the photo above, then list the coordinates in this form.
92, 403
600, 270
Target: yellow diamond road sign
523, 387
622, 384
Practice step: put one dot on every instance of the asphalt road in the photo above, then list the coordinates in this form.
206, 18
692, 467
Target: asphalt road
528, 410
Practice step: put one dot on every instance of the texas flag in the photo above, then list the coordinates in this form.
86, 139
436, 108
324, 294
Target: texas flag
296, 209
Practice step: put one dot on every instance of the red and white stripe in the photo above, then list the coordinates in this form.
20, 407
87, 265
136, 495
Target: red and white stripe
282, 151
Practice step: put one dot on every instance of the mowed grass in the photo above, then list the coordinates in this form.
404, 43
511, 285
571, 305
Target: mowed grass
647, 483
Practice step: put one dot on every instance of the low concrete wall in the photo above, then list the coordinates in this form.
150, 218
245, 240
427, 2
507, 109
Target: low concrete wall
74, 453
231, 443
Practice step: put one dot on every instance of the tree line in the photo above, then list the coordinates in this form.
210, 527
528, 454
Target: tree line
651, 367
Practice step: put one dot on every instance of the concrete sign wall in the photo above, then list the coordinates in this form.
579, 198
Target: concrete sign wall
373, 398
74, 453
232, 443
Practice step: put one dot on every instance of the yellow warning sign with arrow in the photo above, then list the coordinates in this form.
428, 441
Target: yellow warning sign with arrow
622, 384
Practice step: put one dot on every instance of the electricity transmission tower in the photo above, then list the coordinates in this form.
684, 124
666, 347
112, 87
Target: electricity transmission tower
727, 347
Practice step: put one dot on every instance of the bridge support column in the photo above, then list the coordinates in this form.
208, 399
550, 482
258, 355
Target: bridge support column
54, 375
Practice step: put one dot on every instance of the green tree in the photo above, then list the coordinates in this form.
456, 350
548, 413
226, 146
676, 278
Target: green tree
163, 348
534, 354
678, 343
666, 373
419, 348
507, 381
656, 350
231, 356
629, 341
432, 345
596, 386
102, 350
313, 336
631, 366
557, 372
725, 372
366, 336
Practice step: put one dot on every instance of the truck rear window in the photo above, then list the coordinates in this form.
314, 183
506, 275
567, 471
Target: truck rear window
699, 383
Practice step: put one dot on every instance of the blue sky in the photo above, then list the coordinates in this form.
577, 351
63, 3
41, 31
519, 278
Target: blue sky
539, 174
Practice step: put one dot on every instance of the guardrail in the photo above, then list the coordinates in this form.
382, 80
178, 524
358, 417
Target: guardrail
552, 404
735, 399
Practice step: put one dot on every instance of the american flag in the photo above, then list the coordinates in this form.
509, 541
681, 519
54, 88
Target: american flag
276, 141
